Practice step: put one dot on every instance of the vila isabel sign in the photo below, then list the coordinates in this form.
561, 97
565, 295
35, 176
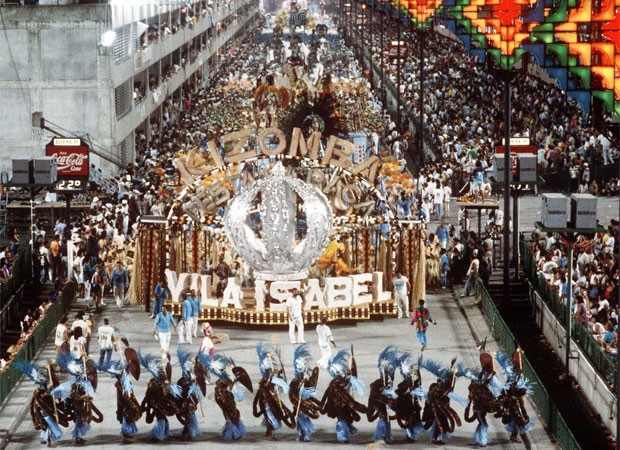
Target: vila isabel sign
71, 156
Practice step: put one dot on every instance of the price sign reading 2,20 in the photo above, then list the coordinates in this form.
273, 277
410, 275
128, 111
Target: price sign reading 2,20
69, 185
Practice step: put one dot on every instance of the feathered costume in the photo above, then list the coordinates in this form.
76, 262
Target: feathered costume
226, 392
76, 394
512, 399
302, 393
160, 399
44, 410
382, 395
190, 396
127, 407
337, 402
483, 391
438, 415
407, 406
267, 401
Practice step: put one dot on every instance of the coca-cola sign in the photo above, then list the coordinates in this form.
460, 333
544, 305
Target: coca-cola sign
71, 156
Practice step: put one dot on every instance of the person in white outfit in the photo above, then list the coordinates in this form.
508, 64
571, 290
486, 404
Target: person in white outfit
325, 339
401, 294
295, 319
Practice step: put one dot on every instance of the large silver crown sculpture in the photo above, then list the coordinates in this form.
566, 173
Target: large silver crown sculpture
267, 232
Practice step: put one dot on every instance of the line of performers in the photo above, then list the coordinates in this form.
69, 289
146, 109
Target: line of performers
294, 404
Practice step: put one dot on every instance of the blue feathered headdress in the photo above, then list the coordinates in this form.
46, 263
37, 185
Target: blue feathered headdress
71, 365
505, 363
405, 365
387, 362
436, 368
301, 360
35, 373
185, 361
266, 363
218, 365
471, 373
152, 364
339, 365
111, 367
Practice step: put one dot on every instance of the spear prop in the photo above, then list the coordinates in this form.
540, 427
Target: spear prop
49, 374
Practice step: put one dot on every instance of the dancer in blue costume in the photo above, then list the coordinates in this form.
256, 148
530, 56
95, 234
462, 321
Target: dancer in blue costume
302, 393
382, 395
438, 415
44, 410
337, 401
268, 401
160, 399
517, 388
227, 392
191, 396
77, 393
484, 390
409, 392
127, 406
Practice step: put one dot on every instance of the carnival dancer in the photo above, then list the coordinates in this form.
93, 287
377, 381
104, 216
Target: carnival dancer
223, 271
78, 393
512, 399
227, 392
302, 393
267, 401
208, 341
160, 398
191, 396
438, 415
420, 318
128, 410
44, 410
382, 395
337, 401
484, 390
409, 392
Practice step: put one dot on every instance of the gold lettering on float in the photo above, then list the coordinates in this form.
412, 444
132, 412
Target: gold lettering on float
308, 148
239, 138
275, 132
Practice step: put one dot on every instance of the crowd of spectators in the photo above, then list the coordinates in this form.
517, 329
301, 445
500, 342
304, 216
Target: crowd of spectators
594, 281
463, 107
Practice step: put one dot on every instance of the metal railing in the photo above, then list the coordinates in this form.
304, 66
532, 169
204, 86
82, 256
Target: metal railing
11, 375
548, 411
601, 361
21, 272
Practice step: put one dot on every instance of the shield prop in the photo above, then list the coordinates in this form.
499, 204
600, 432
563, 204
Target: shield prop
242, 377
91, 373
134, 363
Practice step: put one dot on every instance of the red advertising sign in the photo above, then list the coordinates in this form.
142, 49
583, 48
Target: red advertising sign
71, 156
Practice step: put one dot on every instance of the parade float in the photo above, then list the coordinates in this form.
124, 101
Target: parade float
288, 202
